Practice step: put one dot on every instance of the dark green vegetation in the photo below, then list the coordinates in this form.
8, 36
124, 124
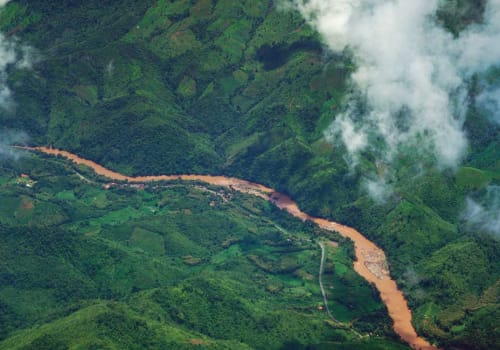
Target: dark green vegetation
239, 88
167, 267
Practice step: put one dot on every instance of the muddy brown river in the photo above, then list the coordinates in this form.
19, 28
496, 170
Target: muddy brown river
370, 260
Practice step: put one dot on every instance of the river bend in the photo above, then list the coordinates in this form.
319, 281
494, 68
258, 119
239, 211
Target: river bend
370, 259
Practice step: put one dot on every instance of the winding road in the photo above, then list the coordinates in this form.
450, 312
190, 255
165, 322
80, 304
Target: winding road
320, 278
370, 260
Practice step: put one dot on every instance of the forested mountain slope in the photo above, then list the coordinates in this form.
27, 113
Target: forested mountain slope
245, 89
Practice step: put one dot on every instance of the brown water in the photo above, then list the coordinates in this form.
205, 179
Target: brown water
370, 260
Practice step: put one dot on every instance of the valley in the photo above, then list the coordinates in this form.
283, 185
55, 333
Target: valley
370, 260
386, 123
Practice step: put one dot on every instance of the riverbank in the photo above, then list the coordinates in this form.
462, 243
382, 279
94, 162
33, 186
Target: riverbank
370, 260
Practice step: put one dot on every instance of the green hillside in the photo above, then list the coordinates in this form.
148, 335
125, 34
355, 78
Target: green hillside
238, 88
167, 266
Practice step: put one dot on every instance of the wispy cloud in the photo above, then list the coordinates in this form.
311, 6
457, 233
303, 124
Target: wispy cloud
8, 138
484, 213
409, 88
8, 57
378, 189
489, 102
12, 54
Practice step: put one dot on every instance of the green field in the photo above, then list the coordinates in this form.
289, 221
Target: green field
168, 267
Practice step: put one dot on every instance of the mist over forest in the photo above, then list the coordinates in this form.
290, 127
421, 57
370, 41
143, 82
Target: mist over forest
382, 115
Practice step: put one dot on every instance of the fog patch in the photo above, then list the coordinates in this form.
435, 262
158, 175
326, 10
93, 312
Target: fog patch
13, 55
489, 103
379, 190
410, 84
9, 138
484, 213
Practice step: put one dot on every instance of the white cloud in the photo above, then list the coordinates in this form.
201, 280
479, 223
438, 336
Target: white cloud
8, 56
489, 100
353, 136
378, 190
9, 138
484, 214
11, 54
411, 73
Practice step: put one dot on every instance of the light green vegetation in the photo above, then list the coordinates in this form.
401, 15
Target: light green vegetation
168, 266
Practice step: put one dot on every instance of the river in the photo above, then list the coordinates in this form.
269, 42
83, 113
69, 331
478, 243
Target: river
370, 260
